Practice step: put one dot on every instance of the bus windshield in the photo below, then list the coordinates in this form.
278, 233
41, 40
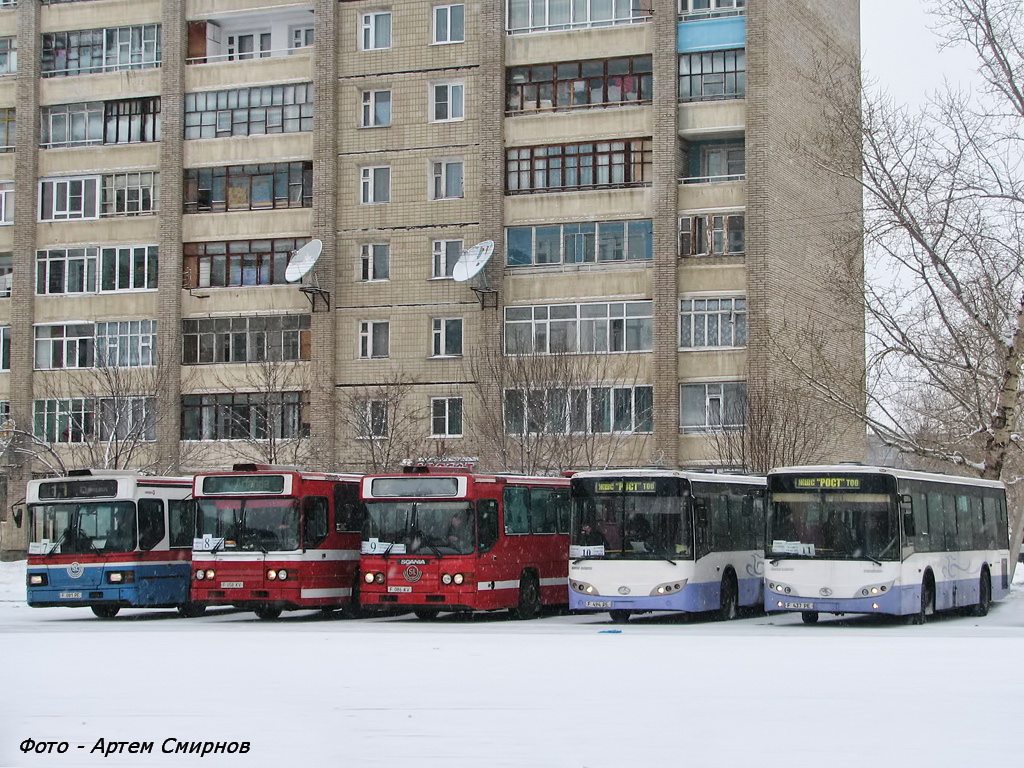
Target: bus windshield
848, 518
630, 518
250, 524
420, 527
83, 527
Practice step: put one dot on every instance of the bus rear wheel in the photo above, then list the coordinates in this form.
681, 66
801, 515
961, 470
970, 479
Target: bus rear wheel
809, 617
529, 598
267, 612
981, 607
105, 611
619, 617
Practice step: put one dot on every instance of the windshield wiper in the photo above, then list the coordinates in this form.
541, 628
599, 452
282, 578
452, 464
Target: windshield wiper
57, 543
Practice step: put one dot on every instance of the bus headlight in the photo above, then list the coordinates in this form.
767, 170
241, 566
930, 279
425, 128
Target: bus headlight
782, 589
368, 577
453, 578
121, 577
271, 575
446, 578
279, 575
583, 587
873, 590
210, 574
37, 580
282, 575
668, 588
374, 577
458, 578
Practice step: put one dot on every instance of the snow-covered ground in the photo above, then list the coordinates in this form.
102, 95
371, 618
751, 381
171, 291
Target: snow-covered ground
569, 690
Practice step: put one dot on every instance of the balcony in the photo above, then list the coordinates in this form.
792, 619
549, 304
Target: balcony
244, 37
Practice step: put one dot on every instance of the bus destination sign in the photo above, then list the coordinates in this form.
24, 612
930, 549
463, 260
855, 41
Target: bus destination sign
255, 483
828, 483
625, 486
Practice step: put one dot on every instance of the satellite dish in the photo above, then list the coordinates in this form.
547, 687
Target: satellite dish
472, 261
303, 260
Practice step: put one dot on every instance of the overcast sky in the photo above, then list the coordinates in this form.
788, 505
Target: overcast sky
900, 49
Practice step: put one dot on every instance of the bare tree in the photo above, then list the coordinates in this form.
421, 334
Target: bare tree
944, 299
560, 410
781, 427
388, 426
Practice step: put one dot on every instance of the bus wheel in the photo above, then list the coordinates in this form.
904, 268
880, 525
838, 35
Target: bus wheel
619, 617
529, 598
267, 612
426, 614
191, 610
729, 598
984, 596
106, 611
809, 617
927, 603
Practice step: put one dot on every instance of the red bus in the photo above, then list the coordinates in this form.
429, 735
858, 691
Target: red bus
440, 539
275, 539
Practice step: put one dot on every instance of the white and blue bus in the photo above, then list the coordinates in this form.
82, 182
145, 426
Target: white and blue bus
107, 539
664, 540
860, 539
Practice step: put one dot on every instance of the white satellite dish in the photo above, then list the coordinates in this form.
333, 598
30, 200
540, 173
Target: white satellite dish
472, 261
303, 260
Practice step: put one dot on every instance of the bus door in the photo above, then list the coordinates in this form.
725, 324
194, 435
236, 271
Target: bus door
322, 572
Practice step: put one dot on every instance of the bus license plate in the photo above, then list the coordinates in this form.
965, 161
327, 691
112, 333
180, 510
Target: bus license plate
800, 606
598, 604
71, 595
232, 584
399, 589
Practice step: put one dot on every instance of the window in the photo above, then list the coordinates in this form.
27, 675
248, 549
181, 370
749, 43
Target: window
249, 187
375, 184
447, 102
249, 111
446, 417
373, 339
8, 125
71, 125
447, 336
302, 37
65, 346
6, 273
691, 9
624, 326
594, 410
63, 199
246, 45
131, 194
576, 84
244, 416
5, 348
63, 421
446, 179
450, 23
84, 51
126, 344
221, 264
526, 16
624, 163
374, 261
588, 242
375, 31
712, 322
8, 55
131, 121
74, 270
6, 203
712, 75
713, 406
715, 162
446, 253
373, 419
712, 235
376, 109
245, 339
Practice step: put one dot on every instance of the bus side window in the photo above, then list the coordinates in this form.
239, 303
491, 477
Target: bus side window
517, 510
349, 510
314, 511
560, 500
181, 522
487, 523
542, 504
151, 523
702, 525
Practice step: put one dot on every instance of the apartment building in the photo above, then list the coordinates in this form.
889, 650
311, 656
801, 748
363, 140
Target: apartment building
661, 247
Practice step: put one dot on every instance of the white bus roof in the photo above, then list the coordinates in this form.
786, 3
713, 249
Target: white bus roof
692, 475
900, 474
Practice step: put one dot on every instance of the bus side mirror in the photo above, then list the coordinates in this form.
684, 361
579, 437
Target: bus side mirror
17, 512
907, 513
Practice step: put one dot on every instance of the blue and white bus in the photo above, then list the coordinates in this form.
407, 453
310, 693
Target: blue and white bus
860, 539
664, 540
107, 540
